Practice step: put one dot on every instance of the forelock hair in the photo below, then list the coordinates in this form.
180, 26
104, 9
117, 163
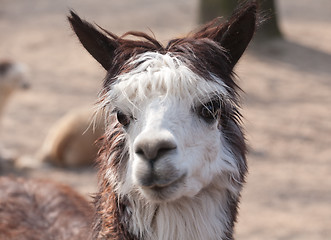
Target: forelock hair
197, 50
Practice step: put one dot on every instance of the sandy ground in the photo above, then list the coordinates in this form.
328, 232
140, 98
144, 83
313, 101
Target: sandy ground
287, 100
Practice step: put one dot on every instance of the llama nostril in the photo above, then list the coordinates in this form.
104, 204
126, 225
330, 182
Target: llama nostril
153, 149
139, 151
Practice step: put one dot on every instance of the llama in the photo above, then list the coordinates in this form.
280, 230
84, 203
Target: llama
13, 76
71, 142
173, 159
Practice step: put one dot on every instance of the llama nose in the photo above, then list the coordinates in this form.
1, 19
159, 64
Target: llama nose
152, 149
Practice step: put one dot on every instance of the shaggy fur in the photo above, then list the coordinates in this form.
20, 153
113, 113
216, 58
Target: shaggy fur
40, 209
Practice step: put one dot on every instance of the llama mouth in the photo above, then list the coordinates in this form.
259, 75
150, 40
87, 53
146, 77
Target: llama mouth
161, 188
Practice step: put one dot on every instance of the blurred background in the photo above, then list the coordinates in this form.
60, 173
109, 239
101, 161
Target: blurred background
286, 77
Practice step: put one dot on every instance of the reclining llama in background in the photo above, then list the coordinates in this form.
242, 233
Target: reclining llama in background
173, 162
71, 142
13, 76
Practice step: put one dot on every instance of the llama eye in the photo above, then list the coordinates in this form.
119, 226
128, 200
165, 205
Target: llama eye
122, 118
209, 111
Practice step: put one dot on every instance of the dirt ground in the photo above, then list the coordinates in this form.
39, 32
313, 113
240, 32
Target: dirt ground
286, 105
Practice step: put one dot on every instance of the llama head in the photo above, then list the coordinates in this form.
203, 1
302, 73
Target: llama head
12, 76
172, 112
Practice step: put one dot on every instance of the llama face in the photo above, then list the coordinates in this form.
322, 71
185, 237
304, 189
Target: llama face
171, 121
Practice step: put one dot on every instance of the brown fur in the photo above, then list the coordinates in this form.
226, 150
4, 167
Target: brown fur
107, 223
41, 209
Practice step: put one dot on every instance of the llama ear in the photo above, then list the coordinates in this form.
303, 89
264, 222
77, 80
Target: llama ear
239, 31
100, 46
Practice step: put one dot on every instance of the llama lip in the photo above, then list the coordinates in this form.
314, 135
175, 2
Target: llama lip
161, 186
163, 192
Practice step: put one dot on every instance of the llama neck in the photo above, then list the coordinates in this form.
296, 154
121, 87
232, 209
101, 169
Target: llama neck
209, 215
4, 95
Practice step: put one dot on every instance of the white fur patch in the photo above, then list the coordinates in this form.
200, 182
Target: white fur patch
161, 75
201, 217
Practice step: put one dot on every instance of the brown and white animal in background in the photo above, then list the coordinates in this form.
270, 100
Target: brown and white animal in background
13, 76
71, 142
173, 162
